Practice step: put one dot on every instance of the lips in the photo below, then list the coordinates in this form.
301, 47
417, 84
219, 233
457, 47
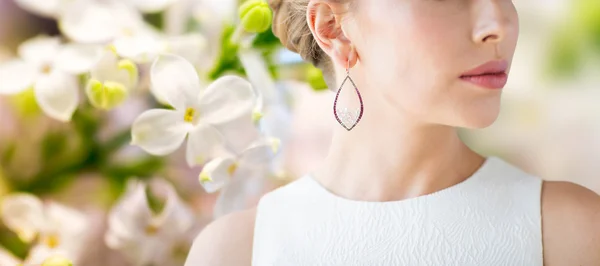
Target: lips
491, 75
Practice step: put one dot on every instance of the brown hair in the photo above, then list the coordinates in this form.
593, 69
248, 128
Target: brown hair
291, 27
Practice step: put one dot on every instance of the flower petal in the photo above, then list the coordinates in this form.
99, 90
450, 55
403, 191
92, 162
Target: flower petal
217, 173
106, 66
261, 151
202, 142
140, 48
71, 227
88, 21
239, 133
110, 69
23, 214
159, 132
77, 58
136, 231
7, 258
58, 95
16, 76
192, 46
176, 218
226, 99
258, 74
128, 219
39, 253
40, 50
46, 8
243, 191
175, 81
151, 6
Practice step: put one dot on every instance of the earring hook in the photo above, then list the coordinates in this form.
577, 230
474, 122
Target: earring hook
348, 66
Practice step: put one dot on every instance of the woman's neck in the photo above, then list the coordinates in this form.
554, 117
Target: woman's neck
387, 158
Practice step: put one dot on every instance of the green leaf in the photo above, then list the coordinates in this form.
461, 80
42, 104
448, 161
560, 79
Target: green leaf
155, 19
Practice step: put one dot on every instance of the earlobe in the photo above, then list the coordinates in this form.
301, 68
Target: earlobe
324, 21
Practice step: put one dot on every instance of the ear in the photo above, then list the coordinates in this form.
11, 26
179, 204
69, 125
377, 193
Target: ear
325, 22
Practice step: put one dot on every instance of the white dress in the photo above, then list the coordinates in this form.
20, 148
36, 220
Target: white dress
492, 218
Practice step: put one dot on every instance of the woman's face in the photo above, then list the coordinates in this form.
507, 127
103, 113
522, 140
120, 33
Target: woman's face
412, 54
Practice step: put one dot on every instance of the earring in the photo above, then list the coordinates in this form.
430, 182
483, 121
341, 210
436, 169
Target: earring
348, 118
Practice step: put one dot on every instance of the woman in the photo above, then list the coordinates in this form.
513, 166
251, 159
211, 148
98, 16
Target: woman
398, 186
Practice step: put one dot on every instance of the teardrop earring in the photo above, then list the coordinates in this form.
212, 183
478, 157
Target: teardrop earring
348, 118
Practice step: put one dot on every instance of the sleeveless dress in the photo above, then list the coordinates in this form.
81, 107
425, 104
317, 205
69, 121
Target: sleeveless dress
491, 218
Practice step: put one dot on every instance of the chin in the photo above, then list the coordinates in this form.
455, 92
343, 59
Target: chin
480, 120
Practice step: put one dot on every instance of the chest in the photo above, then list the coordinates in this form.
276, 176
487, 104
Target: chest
399, 238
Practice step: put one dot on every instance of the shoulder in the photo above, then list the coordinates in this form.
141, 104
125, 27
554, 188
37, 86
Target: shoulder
229, 235
571, 224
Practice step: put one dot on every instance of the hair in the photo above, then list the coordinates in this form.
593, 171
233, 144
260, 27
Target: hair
291, 27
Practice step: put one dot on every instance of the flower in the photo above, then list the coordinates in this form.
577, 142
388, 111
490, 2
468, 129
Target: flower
6, 258
239, 176
111, 80
57, 261
53, 228
99, 22
151, 6
46, 8
54, 8
255, 16
214, 116
49, 67
146, 237
143, 48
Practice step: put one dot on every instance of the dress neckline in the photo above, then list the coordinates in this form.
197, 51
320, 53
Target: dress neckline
456, 188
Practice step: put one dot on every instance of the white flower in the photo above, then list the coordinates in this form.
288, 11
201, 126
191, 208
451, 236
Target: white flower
151, 6
241, 176
111, 80
56, 229
143, 48
54, 8
46, 8
92, 21
222, 112
6, 258
50, 68
144, 237
215, 12
274, 115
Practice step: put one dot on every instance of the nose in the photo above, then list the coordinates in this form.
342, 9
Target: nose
490, 22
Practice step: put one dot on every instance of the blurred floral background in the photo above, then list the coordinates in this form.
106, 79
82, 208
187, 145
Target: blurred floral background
128, 125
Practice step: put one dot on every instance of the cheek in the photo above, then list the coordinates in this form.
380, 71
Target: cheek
409, 60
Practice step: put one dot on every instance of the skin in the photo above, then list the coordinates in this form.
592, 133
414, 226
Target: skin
408, 75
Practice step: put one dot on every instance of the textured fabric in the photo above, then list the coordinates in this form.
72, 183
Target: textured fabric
491, 218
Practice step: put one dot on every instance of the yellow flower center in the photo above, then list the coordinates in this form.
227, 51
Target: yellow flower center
232, 169
52, 241
189, 115
151, 229
46, 69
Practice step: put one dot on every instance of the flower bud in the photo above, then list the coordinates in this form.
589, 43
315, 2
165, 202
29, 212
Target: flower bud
57, 261
255, 16
106, 95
